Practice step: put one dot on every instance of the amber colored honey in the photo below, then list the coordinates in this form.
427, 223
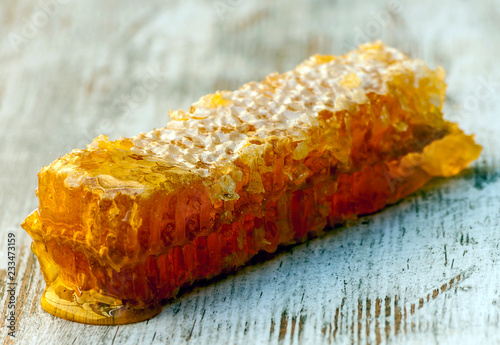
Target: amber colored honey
118, 233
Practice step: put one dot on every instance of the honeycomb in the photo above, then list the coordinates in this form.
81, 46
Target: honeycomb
122, 225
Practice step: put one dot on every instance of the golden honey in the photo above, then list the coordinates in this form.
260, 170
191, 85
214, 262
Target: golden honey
123, 224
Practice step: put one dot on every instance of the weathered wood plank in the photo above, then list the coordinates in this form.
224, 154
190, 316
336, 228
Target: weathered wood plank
422, 271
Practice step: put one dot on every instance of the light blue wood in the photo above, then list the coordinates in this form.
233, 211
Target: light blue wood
424, 271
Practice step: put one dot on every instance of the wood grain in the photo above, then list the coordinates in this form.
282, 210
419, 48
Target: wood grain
423, 271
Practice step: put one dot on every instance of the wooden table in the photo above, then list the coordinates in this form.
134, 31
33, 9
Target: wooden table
424, 271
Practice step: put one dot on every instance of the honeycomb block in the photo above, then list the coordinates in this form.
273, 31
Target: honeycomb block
123, 224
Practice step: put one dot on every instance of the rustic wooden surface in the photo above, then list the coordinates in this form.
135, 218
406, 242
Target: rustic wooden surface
424, 271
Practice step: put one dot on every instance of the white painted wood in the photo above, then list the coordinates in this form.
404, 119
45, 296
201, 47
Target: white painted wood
424, 271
